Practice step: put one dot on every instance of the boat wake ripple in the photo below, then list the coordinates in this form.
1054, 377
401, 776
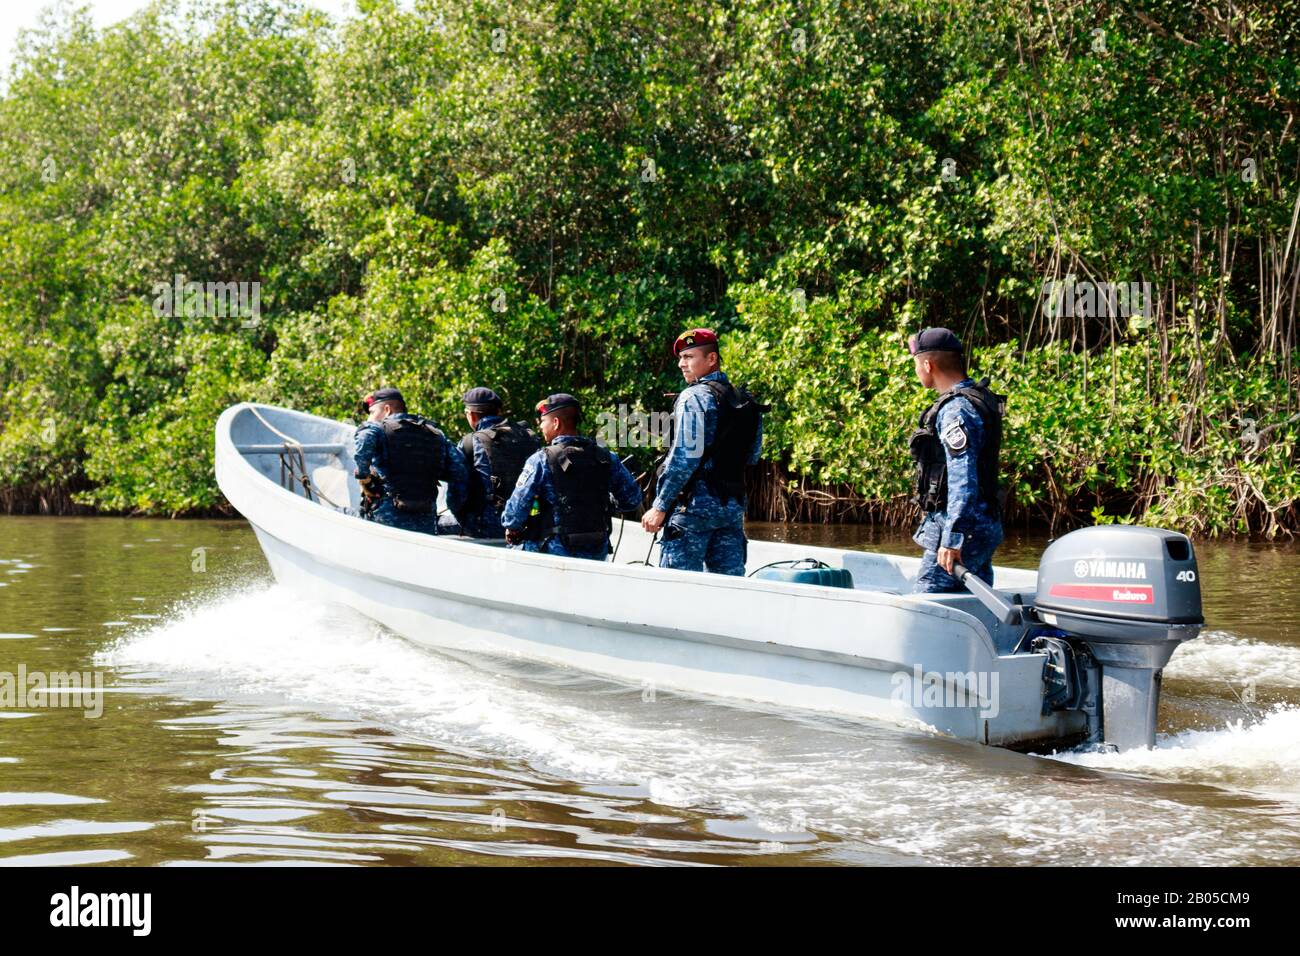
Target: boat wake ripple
1222, 656
875, 793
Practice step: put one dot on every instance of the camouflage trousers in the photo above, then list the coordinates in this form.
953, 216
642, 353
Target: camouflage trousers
553, 545
976, 554
484, 524
387, 514
707, 535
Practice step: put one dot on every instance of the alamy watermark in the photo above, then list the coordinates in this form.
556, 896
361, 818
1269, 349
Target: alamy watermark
77, 909
627, 427
633, 428
212, 300
922, 688
1092, 300
27, 690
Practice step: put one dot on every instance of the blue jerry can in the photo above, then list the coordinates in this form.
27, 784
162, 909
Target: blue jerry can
824, 575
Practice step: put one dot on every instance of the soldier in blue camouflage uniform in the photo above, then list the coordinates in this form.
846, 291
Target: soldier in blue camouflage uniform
383, 478
561, 504
495, 453
955, 449
717, 430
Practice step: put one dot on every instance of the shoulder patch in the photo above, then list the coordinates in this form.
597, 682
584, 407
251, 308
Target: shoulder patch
954, 436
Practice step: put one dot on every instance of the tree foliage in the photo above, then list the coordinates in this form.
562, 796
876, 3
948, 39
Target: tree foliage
539, 194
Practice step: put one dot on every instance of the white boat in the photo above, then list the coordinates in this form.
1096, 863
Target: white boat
946, 663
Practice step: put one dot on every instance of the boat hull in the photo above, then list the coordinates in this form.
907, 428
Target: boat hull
853, 653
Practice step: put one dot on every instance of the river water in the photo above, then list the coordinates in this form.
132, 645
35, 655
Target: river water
239, 723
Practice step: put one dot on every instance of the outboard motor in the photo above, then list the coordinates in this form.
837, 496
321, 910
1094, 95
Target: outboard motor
1132, 596
1124, 597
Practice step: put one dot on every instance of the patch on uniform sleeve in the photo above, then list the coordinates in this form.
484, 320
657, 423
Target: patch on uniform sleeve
954, 436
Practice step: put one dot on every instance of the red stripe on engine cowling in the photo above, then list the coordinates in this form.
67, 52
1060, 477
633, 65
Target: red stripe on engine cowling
1111, 593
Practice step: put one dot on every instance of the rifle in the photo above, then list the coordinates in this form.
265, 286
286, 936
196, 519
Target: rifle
372, 490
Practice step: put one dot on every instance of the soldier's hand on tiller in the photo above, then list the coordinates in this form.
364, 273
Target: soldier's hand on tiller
948, 557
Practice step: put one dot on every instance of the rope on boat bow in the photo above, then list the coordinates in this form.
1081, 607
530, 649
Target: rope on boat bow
293, 450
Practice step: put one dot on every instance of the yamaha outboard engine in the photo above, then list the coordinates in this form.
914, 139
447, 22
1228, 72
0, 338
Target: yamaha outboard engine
1131, 595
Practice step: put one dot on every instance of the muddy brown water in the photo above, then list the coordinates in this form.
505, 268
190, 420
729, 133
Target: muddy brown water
239, 723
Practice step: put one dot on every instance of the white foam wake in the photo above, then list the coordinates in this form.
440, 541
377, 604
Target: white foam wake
269, 641
1261, 753
1224, 657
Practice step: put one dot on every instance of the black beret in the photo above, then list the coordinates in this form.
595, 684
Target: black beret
553, 403
477, 398
384, 395
934, 340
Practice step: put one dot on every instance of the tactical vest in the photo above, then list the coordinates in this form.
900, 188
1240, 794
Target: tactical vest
508, 446
580, 477
415, 458
739, 417
930, 489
